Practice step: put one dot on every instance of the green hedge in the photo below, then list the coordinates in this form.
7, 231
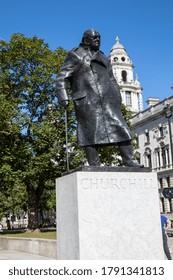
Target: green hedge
12, 231
47, 229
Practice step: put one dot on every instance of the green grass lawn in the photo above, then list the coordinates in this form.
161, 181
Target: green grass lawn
33, 234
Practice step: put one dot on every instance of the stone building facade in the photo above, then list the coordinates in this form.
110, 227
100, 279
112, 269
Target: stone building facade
123, 69
153, 128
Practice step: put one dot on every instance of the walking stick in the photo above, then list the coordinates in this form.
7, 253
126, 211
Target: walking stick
66, 136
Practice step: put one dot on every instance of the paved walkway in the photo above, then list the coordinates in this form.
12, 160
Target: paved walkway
15, 255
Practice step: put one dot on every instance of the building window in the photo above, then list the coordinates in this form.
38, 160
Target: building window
170, 205
167, 153
147, 137
168, 182
163, 156
124, 75
157, 154
163, 205
128, 98
161, 182
161, 131
148, 158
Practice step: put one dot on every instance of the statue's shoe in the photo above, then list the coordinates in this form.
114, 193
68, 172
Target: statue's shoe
133, 163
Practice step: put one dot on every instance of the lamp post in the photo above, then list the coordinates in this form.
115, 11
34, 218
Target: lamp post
168, 114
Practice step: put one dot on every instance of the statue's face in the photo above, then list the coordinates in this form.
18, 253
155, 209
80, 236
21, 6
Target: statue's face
93, 40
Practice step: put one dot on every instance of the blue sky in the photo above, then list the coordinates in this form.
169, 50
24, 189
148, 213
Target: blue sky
144, 27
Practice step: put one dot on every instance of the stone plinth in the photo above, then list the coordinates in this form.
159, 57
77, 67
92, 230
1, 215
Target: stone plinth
108, 216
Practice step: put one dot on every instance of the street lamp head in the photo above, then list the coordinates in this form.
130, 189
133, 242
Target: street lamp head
168, 193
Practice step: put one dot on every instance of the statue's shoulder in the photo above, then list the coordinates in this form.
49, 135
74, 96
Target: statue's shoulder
72, 54
74, 49
102, 54
79, 51
75, 55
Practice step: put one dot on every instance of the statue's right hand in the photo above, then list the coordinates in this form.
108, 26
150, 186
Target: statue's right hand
64, 103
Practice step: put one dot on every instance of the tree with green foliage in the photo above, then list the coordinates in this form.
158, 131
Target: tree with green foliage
12, 190
37, 156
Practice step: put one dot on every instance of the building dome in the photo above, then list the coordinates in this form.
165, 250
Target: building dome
118, 47
130, 88
119, 55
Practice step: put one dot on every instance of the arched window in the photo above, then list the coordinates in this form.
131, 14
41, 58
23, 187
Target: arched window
148, 157
157, 155
165, 154
161, 182
124, 75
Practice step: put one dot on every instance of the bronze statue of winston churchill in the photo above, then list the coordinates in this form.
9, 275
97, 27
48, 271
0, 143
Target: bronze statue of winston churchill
97, 100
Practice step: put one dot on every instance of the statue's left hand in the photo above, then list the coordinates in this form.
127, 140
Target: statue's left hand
64, 103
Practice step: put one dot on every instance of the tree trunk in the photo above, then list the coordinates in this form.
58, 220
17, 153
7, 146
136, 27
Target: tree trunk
32, 207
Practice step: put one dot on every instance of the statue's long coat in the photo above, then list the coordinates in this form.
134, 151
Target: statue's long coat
96, 97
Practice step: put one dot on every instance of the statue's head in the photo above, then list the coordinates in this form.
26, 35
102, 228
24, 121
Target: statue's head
91, 38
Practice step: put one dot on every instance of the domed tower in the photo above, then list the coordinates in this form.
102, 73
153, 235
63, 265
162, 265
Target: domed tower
131, 90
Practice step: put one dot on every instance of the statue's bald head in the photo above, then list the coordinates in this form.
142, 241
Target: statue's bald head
90, 33
91, 38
